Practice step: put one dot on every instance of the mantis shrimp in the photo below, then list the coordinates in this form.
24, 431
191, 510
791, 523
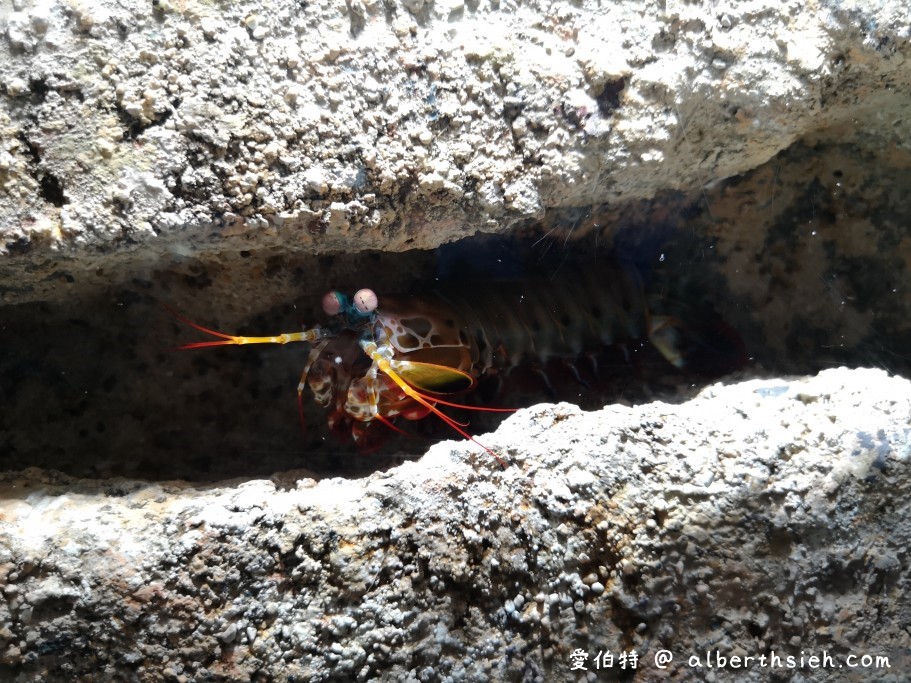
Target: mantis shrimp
376, 360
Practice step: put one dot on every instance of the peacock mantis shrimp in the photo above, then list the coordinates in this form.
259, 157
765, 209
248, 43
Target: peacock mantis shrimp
377, 360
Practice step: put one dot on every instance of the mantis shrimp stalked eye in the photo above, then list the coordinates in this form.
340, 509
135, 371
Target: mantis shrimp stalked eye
382, 359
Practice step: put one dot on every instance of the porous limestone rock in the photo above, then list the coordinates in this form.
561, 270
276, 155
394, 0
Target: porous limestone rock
216, 158
135, 134
767, 517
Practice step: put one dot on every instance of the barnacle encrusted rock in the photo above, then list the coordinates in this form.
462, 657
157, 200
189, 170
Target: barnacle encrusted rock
135, 133
768, 517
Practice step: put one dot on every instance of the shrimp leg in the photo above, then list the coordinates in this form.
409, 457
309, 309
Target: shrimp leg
386, 365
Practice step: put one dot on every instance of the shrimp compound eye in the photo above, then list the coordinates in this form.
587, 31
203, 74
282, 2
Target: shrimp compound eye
365, 301
333, 303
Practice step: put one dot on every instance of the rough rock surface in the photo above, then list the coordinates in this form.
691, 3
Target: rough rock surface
212, 157
765, 517
139, 132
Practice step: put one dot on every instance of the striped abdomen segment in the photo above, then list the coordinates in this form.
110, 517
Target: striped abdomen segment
510, 323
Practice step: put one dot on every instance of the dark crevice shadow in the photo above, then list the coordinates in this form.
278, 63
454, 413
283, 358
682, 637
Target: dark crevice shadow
96, 390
